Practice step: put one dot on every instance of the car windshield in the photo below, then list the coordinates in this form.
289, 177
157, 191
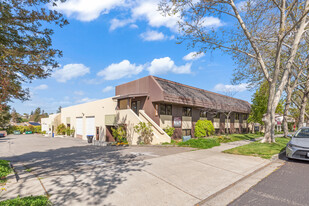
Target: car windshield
302, 133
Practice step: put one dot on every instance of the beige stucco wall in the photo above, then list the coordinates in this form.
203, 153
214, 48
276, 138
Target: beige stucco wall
98, 109
216, 123
186, 122
166, 121
52, 120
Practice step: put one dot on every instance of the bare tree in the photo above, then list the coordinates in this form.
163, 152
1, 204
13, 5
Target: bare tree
266, 36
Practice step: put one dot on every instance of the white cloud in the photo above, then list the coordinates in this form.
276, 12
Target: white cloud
231, 88
80, 93
116, 23
85, 100
193, 56
149, 10
165, 65
70, 71
133, 26
152, 35
211, 21
107, 89
88, 10
120, 70
41, 87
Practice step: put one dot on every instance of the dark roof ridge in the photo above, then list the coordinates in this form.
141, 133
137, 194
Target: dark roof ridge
155, 77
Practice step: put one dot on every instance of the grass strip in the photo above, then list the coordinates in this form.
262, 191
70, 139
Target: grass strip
5, 169
258, 149
27, 201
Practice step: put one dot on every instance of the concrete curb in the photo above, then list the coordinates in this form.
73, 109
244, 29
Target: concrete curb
236, 189
231, 185
13, 176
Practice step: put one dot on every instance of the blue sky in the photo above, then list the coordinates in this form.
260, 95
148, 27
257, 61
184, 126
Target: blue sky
111, 42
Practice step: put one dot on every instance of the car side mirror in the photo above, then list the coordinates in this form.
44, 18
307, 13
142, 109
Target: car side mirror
290, 136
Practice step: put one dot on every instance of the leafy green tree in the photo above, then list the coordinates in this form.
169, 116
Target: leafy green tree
259, 104
59, 109
5, 116
26, 51
267, 38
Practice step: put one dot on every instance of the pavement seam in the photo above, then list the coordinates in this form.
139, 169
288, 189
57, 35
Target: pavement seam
172, 185
46, 193
231, 185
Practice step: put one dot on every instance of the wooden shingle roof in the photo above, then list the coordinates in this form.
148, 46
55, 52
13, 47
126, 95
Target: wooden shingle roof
183, 94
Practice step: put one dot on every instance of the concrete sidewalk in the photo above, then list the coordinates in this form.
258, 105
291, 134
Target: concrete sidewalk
23, 184
185, 178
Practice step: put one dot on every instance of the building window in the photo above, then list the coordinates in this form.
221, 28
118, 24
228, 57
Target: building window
237, 116
123, 103
203, 114
186, 132
217, 116
245, 116
187, 111
165, 109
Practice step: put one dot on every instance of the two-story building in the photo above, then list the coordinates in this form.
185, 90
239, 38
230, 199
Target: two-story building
161, 103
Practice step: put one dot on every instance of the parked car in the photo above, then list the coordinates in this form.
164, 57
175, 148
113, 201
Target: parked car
2, 135
298, 146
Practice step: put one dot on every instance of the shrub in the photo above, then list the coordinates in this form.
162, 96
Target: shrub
145, 132
68, 131
169, 130
72, 131
61, 129
120, 134
203, 128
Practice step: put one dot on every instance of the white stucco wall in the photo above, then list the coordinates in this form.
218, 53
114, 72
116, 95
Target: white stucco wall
97, 109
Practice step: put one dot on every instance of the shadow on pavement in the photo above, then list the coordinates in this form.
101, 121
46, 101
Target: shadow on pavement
84, 174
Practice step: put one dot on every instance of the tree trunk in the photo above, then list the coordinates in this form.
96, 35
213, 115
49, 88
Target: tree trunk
286, 111
270, 115
301, 120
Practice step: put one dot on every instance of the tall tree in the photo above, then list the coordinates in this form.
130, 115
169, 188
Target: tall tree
266, 37
59, 109
259, 104
26, 51
5, 116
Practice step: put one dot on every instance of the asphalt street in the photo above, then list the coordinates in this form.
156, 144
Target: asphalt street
287, 186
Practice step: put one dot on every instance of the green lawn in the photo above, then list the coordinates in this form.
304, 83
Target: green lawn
209, 142
27, 201
5, 169
201, 143
258, 149
237, 137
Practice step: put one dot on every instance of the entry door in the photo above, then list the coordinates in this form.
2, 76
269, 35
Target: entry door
79, 126
135, 106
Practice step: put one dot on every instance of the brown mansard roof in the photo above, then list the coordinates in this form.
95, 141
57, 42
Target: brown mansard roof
183, 94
